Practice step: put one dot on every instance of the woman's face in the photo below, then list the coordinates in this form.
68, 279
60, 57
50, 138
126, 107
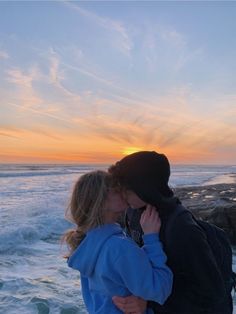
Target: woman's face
133, 200
115, 206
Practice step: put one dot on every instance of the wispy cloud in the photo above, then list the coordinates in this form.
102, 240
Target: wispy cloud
24, 92
159, 42
23, 133
48, 112
54, 74
4, 54
88, 73
173, 37
7, 134
167, 128
141, 123
57, 76
27, 94
20, 78
115, 87
122, 41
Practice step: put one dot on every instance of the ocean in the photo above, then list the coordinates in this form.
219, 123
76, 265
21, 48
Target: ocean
34, 277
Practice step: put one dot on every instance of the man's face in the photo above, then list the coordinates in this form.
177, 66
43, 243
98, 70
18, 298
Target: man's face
133, 200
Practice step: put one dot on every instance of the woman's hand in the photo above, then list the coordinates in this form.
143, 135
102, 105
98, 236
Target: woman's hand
130, 304
150, 220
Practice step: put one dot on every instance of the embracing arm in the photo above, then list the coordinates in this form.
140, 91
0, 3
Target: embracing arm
130, 304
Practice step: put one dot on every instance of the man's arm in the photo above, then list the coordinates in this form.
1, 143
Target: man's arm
130, 304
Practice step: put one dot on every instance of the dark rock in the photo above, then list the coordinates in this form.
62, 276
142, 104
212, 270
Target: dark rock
215, 204
225, 218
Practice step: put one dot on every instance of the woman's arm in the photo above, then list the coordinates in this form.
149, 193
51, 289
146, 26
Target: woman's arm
86, 293
144, 271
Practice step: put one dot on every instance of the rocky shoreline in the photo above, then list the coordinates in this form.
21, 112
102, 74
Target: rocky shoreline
214, 203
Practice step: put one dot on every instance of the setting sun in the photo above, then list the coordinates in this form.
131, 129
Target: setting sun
131, 150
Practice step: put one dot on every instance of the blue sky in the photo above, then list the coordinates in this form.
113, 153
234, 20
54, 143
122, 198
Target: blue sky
89, 81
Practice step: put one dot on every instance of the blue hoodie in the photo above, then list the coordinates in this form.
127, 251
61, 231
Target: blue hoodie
111, 264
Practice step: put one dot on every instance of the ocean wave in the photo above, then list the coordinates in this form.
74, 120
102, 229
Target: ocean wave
30, 296
181, 175
46, 229
37, 173
39, 170
200, 179
25, 235
39, 305
16, 284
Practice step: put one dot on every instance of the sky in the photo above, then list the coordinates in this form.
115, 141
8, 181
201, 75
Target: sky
92, 81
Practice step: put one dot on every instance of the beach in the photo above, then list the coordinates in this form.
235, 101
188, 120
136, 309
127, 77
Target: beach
34, 274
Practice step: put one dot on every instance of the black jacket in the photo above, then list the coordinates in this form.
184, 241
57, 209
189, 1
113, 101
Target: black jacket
198, 287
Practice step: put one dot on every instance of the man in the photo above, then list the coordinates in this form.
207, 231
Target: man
198, 285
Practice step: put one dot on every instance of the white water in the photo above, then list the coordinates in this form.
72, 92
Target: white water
34, 277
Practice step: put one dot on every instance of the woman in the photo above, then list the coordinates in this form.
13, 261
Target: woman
109, 262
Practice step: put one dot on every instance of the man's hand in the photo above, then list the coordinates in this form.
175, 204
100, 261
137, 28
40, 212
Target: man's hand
130, 305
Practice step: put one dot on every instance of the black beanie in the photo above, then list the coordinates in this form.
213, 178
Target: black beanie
147, 174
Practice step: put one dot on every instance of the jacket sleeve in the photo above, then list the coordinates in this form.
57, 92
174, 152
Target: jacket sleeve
144, 271
199, 266
86, 293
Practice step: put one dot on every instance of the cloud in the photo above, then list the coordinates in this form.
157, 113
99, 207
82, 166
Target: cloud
122, 118
18, 77
123, 95
71, 51
28, 94
168, 127
7, 134
115, 90
122, 40
188, 56
88, 73
184, 54
48, 112
159, 42
23, 133
4, 55
25, 94
132, 121
57, 75
54, 74
106, 127
174, 38
141, 123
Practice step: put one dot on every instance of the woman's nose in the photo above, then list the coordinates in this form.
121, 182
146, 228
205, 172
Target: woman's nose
125, 204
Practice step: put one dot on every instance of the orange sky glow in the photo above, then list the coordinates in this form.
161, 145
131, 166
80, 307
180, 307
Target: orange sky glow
102, 84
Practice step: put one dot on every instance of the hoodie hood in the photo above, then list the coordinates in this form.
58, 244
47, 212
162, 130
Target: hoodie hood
147, 174
150, 194
85, 257
144, 168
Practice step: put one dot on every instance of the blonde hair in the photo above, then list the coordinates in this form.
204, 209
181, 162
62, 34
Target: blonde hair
86, 207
